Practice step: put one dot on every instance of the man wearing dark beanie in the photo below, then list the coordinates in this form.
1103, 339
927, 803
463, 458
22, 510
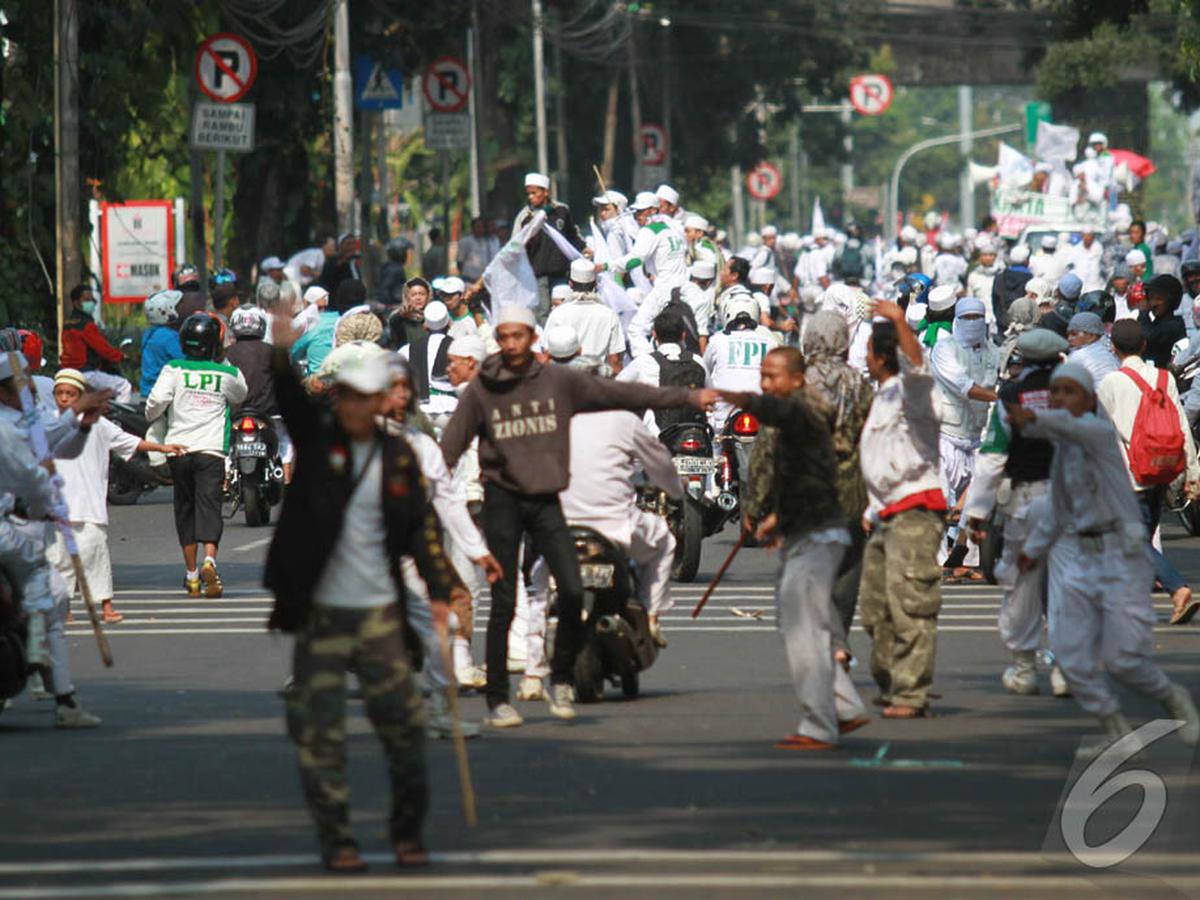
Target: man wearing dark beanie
1162, 328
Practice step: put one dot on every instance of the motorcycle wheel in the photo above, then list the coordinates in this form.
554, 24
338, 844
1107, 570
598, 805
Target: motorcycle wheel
589, 676
1190, 517
687, 542
124, 488
258, 510
630, 683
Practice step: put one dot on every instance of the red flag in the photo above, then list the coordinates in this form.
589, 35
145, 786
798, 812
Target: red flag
1138, 165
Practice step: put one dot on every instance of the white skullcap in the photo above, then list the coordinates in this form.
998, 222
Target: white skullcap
667, 193
512, 314
1044, 167
468, 346
562, 341
644, 200
270, 264
1020, 254
560, 292
983, 243
762, 275
769, 231
1075, 372
452, 284
945, 240
1135, 258
1039, 287
537, 179
909, 233
367, 375
907, 255
703, 269
697, 222
315, 294
437, 316
1050, 242
1098, 137
942, 297
914, 313
583, 271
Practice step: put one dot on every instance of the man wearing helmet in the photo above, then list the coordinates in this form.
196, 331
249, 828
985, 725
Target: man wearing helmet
160, 342
733, 357
195, 394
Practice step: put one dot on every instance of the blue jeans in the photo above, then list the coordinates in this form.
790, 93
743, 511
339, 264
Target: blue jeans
1151, 502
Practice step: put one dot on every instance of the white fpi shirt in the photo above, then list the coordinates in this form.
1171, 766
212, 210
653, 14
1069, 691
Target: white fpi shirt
607, 448
734, 360
598, 327
85, 478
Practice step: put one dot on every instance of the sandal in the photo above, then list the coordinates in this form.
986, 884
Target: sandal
1185, 613
112, 617
907, 712
344, 860
411, 855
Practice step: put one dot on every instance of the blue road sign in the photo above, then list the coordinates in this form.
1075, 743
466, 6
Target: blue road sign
376, 87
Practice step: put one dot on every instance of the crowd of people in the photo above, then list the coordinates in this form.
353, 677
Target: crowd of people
439, 434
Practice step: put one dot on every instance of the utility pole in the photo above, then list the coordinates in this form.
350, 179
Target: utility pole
739, 210
561, 164
473, 113
966, 190
848, 146
539, 88
196, 191
343, 118
794, 181
67, 234
635, 114
667, 68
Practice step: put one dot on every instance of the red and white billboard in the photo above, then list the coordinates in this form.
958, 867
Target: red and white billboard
137, 246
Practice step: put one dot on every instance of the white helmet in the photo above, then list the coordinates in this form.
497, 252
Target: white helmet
248, 322
160, 307
736, 304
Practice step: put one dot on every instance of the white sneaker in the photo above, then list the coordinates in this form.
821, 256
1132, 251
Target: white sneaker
560, 698
656, 634
531, 688
1021, 676
1058, 682
471, 677
504, 716
74, 717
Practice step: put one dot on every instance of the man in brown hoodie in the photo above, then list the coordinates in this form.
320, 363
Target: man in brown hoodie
521, 411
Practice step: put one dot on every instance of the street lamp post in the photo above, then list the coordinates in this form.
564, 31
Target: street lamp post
894, 189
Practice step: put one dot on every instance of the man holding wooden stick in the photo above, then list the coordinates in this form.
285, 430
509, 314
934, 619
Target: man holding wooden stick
29, 497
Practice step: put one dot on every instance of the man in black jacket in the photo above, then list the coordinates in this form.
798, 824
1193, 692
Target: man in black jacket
548, 262
1163, 329
357, 505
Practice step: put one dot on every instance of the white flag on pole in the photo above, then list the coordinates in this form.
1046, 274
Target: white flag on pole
509, 277
1015, 167
610, 292
1059, 142
818, 218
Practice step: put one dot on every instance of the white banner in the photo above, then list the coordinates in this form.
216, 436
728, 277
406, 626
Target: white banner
136, 246
1057, 142
1015, 167
509, 277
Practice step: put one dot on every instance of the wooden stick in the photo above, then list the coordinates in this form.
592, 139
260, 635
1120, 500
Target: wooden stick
460, 743
720, 573
600, 179
22, 384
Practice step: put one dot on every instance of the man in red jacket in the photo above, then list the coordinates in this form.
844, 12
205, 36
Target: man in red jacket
85, 348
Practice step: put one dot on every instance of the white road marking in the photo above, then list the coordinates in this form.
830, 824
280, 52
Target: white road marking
253, 545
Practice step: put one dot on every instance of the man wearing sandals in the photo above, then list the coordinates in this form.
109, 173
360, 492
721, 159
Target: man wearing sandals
900, 595
357, 505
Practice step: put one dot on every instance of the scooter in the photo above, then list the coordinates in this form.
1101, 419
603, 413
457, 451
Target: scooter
617, 646
698, 515
254, 475
129, 478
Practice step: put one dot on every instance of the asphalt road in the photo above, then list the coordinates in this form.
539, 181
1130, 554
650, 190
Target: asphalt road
190, 786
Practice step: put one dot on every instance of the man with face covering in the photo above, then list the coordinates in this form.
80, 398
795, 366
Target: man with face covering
1089, 345
965, 369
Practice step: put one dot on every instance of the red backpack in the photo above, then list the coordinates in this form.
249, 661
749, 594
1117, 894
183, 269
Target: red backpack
1157, 451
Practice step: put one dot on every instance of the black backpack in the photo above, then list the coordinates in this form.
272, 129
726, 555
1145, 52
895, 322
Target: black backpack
683, 372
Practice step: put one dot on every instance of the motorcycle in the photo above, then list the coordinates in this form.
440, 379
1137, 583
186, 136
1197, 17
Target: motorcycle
129, 478
617, 646
736, 443
254, 473
698, 515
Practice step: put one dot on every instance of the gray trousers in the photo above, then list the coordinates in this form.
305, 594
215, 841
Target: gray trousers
808, 622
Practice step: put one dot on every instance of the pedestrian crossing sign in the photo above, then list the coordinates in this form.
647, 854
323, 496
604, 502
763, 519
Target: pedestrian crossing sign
377, 87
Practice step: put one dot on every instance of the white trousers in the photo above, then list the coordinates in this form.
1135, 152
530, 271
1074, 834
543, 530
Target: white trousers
1102, 620
957, 461
92, 541
653, 550
1021, 606
536, 607
808, 622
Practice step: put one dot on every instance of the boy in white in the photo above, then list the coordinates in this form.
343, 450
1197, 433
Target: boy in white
85, 490
1101, 616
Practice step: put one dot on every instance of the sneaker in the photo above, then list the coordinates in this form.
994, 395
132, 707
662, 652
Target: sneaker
212, 581
504, 716
74, 717
1021, 676
561, 699
656, 634
1058, 682
439, 721
471, 677
531, 688
192, 586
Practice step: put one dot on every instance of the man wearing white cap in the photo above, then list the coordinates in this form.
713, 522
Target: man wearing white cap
428, 357
700, 247
451, 292
700, 294
598, 327
965, 369
316, 298
520, 410
1136, 261
1090, 528
614, 224
1084, 259
983, 275
669, 210
548, 262
1048, 263
272, 267
949, 267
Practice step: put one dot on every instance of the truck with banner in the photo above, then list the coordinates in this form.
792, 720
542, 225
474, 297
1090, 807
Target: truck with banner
1017, 210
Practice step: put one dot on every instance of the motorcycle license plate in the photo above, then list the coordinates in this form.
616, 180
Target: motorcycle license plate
695, 465
596, 575
252, 448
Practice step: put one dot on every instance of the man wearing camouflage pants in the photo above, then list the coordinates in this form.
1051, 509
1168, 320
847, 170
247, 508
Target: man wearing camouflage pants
900, 595
356, 506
